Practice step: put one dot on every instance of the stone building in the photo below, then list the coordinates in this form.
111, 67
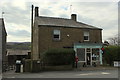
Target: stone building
52, 32
14, 55
3, 51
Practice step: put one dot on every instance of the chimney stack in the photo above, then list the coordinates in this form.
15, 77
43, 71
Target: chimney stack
36, 12
73, 17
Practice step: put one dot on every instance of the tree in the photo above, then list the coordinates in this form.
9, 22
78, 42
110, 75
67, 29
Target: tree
112, 52
106, 43
114, 40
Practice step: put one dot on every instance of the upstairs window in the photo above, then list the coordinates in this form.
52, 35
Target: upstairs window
86, 36
56, 34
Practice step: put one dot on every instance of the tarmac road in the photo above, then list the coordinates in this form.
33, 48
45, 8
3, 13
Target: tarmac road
104, 73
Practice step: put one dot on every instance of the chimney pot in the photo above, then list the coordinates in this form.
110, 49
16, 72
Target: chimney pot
73, 17
36, 11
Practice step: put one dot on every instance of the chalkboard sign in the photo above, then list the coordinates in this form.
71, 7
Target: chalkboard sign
81, 54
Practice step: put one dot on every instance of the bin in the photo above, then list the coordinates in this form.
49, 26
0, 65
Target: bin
21, 68
18, 66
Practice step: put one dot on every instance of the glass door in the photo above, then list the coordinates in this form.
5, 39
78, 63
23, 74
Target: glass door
88, 56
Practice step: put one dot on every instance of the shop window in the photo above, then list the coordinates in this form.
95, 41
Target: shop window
94, 57
95, 54
81, 54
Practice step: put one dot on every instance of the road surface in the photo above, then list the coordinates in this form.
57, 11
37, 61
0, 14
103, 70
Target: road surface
113, 73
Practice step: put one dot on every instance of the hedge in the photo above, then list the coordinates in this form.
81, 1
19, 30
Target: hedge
59, 56
112, 53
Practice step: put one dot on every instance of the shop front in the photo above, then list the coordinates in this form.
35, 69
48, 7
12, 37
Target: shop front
89, 54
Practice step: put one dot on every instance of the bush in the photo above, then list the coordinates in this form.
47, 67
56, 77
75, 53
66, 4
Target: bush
59, 56
112, 53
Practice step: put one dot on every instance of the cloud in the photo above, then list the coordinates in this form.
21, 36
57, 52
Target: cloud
21, 4
46, 12
19, 33
103, 15
11, 38
18, 36
18, 15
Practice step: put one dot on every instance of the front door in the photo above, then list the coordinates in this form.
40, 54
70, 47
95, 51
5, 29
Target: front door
88, 57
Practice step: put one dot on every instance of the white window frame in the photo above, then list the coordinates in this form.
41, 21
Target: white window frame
86, 33
56, 32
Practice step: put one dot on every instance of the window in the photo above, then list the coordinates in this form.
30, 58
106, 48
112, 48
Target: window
86, 36
56, 35
95, 54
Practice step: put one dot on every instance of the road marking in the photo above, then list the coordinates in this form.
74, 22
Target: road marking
105, 73
88, 74
84, 74
13, 77
94, 73
10, 77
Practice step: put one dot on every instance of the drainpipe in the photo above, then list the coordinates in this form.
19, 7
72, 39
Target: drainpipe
32, 38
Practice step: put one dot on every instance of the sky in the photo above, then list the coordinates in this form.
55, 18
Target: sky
17, 15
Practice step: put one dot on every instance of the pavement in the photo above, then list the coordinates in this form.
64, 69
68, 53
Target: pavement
86, 72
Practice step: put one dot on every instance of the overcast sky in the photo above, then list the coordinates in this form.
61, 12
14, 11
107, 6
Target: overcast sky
18, 16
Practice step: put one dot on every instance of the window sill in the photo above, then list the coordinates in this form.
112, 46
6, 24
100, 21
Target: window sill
86, 40
56, 40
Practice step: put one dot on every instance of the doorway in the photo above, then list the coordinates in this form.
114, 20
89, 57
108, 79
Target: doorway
88, 57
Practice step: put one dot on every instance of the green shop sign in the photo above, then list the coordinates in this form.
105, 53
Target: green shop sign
87, 45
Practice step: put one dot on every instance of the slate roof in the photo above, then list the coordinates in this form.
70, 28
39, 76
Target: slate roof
17, 52
63, 22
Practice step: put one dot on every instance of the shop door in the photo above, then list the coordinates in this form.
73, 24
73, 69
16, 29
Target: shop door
88, 57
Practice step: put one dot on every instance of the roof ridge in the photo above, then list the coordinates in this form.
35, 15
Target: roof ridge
54, 17
87, 24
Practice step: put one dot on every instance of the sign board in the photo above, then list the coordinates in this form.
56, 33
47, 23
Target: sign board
87, 45
116, 63
18, 62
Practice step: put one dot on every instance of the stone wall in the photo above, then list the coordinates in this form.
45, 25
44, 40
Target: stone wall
75, 35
